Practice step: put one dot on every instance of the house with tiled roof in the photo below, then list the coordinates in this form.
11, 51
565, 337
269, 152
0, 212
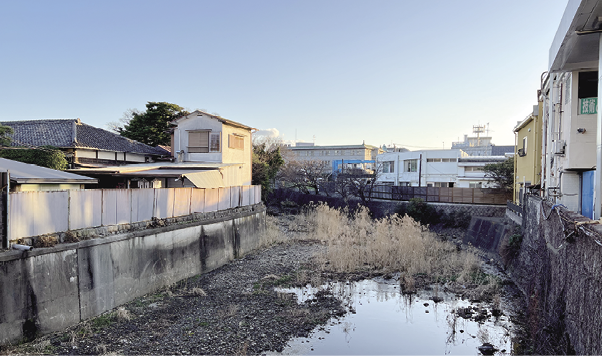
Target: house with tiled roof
84, 145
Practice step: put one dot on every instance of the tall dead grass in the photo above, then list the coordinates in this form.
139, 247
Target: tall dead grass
393, 244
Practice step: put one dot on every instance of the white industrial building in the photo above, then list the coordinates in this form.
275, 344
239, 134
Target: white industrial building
435, 168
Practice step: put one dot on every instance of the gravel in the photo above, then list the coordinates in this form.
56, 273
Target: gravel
232, 310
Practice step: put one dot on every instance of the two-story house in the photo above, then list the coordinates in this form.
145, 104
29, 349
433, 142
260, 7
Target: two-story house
201, 137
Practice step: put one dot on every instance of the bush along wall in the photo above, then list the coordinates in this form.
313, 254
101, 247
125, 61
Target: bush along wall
47, 156
450, 215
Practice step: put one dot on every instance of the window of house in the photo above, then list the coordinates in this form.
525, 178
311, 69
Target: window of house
389, 167
432, 160
473, 169
236, 141
443, 184
449, 160
203, 141
214, 142
588, 85
411, 165
475, 184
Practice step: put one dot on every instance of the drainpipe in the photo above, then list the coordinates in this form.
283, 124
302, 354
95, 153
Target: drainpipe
550, 133
397, 169
597, 185
420, 171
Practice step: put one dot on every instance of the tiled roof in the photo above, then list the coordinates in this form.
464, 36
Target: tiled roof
72, 133
501, 150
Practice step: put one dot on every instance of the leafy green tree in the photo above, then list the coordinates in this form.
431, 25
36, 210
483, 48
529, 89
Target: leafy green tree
5, 132
267, 161
151, 126
502, 173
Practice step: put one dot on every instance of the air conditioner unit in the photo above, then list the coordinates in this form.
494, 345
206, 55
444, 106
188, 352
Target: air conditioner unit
558, 147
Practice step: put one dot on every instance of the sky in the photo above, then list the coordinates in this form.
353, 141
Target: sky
417, 74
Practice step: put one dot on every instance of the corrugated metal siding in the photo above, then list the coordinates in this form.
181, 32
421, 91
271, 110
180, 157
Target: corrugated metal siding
38, 213
206, 179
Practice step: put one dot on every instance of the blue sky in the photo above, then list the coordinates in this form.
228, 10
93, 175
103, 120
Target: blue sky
418, 74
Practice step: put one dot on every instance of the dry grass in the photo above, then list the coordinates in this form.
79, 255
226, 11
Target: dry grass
123, 314
272, 233
198, 291
230, 311
388, 245
45, 241
100, 349
41, 346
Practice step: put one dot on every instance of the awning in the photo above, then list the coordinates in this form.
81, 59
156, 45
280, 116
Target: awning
205, 179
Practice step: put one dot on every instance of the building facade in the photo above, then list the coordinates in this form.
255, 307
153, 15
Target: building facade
527, 158
435, 168
84, 145
201, 137
338, 158
571, 154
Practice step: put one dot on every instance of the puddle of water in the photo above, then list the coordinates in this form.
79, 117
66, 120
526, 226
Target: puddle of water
383, 321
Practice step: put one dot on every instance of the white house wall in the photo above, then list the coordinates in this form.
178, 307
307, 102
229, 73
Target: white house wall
196, 123
86, 153
580, 147
134, 157
234, 155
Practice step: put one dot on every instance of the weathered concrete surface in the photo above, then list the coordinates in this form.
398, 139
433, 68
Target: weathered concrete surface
49, 289
558, 270
487, 233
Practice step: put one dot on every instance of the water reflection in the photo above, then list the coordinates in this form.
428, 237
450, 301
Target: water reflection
384, 321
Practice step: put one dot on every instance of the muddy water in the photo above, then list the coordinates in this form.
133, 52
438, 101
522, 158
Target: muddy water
383, 321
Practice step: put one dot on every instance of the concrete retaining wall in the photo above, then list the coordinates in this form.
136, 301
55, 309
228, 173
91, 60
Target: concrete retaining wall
49, 289
558, 269
487, 233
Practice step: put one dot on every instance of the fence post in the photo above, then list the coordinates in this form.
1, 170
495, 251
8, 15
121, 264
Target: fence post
6, 206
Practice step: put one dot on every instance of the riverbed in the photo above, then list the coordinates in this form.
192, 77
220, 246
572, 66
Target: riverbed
382, 320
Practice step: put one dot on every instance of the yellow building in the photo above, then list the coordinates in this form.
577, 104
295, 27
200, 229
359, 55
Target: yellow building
527, 158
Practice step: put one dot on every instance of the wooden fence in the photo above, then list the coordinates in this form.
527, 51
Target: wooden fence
443, 195
38, 213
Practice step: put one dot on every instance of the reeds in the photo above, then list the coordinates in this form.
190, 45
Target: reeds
393, 244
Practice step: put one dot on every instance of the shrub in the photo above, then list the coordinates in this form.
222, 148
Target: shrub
420, 211
46, 156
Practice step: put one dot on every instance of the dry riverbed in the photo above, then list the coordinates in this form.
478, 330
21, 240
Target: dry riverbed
232, 310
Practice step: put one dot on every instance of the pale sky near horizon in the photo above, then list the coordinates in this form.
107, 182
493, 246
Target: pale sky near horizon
418, 74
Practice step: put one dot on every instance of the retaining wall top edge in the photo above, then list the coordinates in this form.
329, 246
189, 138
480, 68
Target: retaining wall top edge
16, 254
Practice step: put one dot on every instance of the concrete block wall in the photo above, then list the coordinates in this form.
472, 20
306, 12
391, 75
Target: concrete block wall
49, 289
558, 270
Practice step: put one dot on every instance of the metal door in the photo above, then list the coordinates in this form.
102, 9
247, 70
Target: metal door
587, 194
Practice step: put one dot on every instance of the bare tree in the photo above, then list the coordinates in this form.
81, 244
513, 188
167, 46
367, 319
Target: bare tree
357, 182
304, 175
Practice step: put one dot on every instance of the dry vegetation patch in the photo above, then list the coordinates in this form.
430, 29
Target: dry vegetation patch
357, 243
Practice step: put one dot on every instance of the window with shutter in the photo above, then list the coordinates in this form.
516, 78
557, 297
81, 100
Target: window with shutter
198, 141
236, 142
